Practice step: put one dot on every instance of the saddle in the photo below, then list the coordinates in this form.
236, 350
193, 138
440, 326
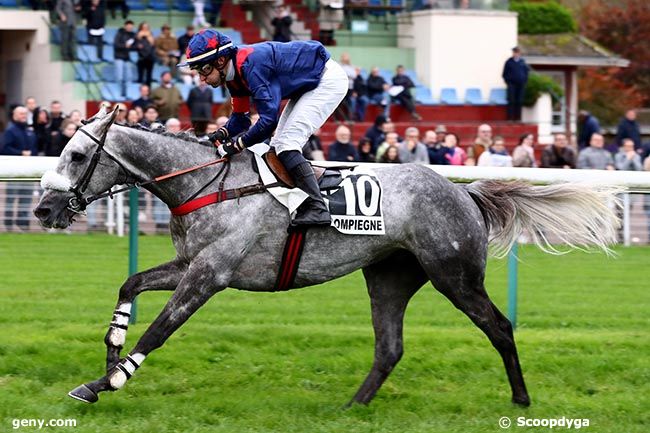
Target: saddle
281, 173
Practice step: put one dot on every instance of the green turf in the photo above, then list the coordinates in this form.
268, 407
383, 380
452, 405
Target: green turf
287, 362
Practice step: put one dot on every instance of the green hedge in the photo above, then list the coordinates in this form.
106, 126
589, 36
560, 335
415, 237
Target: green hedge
543, 18
538, 84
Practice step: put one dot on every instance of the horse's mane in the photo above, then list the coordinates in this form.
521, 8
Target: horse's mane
161, 130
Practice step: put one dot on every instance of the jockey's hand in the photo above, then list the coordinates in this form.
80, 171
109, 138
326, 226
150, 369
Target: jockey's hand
219, 135
231, 147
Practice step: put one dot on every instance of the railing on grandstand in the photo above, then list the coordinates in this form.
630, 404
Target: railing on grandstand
18, 199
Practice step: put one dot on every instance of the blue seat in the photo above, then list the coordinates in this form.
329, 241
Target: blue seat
473, 96
9, 3
376, 3
158, 69
386, 75
81, 35
498, 97
133, 91
184, 89
109, 35
111, 92
86, 73
234, 35
158, 5
109, 53
448, 96
185, 5
55, 35
424, 96
218, 96
136, 5
87, 54
108, 73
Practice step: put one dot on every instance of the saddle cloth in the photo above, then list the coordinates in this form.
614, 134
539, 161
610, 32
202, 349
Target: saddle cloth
352, 193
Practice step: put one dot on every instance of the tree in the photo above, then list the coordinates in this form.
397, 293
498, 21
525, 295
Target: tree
623, 28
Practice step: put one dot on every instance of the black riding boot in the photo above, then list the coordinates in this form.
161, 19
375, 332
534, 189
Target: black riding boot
314, 211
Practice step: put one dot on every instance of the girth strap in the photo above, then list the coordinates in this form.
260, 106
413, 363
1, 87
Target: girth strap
217, 197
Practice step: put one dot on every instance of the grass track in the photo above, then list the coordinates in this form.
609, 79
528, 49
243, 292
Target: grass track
286, 362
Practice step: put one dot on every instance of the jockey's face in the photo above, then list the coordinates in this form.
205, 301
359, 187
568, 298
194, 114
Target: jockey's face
215, 77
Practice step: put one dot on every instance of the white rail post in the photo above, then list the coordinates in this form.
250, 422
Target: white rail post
626, 219
120, 214
110, 216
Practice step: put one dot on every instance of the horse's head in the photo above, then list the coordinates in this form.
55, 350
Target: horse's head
84, 169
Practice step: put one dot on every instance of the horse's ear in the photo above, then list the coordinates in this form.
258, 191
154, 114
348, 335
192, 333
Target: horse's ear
104, 122
103, 110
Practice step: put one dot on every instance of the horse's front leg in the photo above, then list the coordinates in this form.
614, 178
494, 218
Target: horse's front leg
162, 277
200, 282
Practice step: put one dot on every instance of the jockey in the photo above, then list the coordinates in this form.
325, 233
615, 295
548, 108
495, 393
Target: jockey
267, 73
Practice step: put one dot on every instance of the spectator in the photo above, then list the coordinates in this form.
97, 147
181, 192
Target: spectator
391, 156
68, 129
167, 48
200, 104
32, 110
144, 44
199, 15
376, 132
455, 155
95, 15
359, 97
67, 25
587, 126
123, 43
404, 97
392, 140
42, 131
76, 118
524, 153
377, 91
132, 117
114, 4
411, 150
441, 132
330, 17
18, 140
365, 151
627, 158
348, 102
281, 24
629, 128
496, 155
559, 154
595, 156
435, 149
120, 118
215, 6
173, 125
167, 97
145, 97
184, 39
515, 74
150, 116
482, 142
342, 149
56, 117
313, 149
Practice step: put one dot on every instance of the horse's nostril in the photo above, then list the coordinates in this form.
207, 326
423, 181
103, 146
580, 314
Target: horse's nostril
42, 212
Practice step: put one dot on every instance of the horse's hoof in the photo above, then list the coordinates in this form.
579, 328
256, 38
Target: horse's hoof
522, 401
85, 394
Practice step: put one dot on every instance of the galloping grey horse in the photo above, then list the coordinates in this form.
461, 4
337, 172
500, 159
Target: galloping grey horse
435, 231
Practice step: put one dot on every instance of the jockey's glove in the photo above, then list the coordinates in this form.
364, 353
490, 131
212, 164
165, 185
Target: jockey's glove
232, 147
219, 135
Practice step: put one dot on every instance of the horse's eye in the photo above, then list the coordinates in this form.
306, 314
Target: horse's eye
78, 157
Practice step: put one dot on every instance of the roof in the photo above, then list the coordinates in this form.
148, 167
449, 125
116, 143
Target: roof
567, 49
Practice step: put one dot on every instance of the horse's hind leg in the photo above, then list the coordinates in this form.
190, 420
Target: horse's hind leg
162, 277
461, 281
391, 284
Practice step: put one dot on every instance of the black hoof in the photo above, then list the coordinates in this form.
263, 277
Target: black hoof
83, 393
521, 401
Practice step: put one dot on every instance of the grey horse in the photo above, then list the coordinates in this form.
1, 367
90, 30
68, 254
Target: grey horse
435, 231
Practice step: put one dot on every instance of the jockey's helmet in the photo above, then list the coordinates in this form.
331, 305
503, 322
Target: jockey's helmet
206, 47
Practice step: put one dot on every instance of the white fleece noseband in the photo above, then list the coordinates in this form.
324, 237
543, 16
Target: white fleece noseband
55, 181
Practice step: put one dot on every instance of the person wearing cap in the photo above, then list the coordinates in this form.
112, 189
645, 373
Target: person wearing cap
515, 74
267, 73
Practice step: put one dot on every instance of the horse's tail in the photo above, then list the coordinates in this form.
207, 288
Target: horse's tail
578, 215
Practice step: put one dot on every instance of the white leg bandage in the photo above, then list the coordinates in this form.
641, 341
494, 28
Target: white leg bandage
125, 369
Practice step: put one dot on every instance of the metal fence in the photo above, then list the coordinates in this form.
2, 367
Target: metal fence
18, 199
